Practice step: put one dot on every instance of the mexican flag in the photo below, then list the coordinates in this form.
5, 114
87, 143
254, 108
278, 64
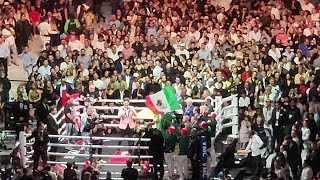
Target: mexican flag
163, 101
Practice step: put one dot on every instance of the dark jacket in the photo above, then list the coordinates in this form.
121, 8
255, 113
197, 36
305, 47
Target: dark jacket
116, 94
156, 147
42, 111
193, 149
39, 144
293, 115
69, 174
129, 173
52, 126
281, 120
135, 93
228, 156
294, 156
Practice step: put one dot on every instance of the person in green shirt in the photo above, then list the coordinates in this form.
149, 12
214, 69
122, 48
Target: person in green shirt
204, 131
183, 160
72, 24
170, 140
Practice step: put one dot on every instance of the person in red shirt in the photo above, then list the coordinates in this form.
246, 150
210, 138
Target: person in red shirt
302, 86
34, 19
246, 74
282, 37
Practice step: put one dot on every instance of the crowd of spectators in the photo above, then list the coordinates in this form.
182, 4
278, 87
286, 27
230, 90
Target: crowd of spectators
265, 51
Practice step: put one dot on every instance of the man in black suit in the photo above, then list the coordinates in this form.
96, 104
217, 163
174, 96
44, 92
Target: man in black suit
293, 116
42, 110
129, 173
227, 157
137, 46
52, 128
40, 145
152, 86
21, 107
193, 154
156, 149
118, 63
121, 93
56, 100
294, 156
277, 121
138, 93
128, 78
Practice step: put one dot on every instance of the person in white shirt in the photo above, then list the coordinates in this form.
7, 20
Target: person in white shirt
194, 33
9, 36
118, 45
112, 53
274, 53
177, 84
267, 110
255, 34
75, 44
63, 48
307, 172
306, 139
98, 83
307, 6
182, 50
100, 43
45, 31
254, 147
310, 30
45, 69
244, 101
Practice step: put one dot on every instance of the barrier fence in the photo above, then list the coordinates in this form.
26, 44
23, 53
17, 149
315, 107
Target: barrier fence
23, 147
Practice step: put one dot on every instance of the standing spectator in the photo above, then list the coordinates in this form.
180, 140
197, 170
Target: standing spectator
294, 156
69, 173
170, 140
53, 129
129, 173
157, 152
23, 32
40, 145
28, 60
69, 113
277, 122
4, 55
194, 153
254, 147
183, 161
9, 34
43, 109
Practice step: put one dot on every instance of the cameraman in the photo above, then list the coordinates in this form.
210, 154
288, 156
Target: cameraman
127, 122
88, 119
97, 130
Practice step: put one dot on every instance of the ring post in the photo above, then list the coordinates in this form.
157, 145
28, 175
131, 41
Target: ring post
23, 148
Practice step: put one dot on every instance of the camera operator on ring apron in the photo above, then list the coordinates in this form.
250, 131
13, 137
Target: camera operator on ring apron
97, 130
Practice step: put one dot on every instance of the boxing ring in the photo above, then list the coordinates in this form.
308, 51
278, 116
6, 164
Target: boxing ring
224, 108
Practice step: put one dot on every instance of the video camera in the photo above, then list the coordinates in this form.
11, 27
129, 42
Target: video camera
92, 120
